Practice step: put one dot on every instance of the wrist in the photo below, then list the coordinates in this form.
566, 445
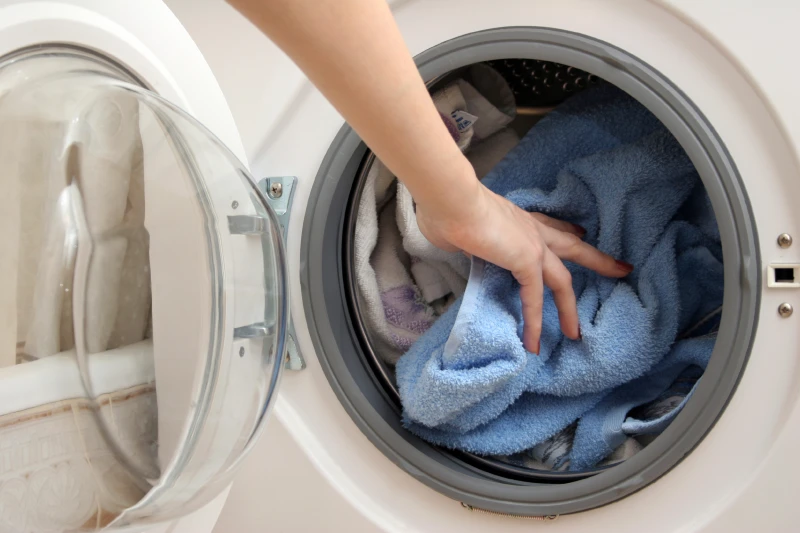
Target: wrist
449, 195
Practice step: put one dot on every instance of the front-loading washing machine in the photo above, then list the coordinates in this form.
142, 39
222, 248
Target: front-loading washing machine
92, 90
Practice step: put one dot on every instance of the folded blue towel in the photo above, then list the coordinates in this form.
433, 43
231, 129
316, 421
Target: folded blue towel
602, 161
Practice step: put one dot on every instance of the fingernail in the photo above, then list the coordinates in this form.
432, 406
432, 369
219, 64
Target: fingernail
580, 230
625, 267
580, 334
538, 347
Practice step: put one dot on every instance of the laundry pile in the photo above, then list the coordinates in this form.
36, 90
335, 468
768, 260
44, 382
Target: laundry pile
602, 161
404, 282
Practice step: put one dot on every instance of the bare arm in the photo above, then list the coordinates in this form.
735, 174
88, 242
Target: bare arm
354, 53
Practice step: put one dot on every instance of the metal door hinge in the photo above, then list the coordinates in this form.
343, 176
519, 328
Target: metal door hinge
254, 331
247, 225
279, 192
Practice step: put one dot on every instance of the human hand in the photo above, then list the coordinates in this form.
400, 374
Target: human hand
454, 210
529, 245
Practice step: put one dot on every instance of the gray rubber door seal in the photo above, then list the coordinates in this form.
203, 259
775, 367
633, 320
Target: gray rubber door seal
337, 344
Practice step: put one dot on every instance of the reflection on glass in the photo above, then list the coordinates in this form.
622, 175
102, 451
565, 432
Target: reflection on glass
125, 397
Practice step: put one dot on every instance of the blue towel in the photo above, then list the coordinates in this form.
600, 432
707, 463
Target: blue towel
600, 160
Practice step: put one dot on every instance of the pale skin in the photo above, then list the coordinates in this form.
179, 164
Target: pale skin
354, 53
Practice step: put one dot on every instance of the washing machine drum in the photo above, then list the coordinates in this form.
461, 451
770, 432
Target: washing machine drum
542, 67
143, 299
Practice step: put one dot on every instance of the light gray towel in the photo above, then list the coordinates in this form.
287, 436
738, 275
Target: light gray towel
96, 162
404, 282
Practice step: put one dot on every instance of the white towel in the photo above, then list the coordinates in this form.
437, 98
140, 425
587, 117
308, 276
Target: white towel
439, 273
453, 109
111, 138
134, 293
53, 160
404, 282
43, 265
379, 184
10, 207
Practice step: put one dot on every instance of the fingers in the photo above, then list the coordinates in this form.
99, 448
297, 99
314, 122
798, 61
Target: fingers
532, 295
563, 243
569, 247
557, 277
559, 225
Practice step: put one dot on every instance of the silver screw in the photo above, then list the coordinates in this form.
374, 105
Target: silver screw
785, 310
784, 240
235, 204
241, 351
276, 190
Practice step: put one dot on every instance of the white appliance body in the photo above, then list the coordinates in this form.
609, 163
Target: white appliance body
148, 41
313, 469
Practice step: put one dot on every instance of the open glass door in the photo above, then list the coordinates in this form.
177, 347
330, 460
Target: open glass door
143, 300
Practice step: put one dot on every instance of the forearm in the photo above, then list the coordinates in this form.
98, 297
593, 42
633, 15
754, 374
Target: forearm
354, 53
